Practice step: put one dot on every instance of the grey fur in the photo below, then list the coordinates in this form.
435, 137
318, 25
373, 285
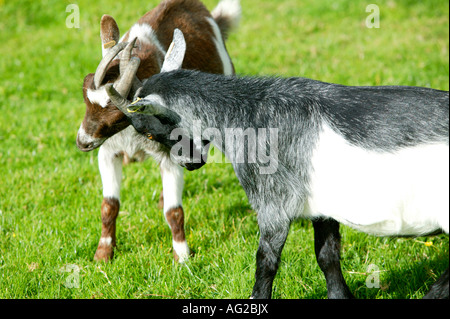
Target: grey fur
380, 119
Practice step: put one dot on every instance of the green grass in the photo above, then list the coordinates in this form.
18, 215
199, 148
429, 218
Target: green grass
50, 193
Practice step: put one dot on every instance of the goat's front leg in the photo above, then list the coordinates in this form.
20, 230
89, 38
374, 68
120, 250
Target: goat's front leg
327, 242
268, 256
173, 183
110, 166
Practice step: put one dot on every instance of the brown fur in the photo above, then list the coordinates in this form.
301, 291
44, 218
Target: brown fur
110, 211
201, 54
101, 123
175, 218
110, 30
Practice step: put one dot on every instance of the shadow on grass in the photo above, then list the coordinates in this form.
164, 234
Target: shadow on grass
408, 283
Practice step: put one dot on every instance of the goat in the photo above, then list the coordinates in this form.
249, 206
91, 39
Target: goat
141, 51
373, 158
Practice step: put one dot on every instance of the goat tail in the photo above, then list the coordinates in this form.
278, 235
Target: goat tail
227, 15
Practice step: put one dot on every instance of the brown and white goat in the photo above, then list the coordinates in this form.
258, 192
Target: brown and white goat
126, 62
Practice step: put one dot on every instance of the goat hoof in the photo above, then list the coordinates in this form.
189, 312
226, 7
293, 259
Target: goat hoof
104, 254
183, 258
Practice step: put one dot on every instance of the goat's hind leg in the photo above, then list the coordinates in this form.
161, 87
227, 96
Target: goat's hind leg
268, 256
440, 289
327, 245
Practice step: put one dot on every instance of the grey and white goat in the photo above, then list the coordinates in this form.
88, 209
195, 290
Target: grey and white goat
373, 158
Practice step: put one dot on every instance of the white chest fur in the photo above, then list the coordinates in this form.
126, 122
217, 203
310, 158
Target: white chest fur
386, 194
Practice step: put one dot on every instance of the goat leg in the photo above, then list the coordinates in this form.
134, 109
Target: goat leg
327, 245
268, 257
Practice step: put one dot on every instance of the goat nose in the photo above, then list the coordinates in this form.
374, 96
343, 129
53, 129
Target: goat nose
85, 142
83, 146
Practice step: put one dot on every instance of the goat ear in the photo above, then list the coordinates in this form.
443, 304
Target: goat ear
175, 53
109, 33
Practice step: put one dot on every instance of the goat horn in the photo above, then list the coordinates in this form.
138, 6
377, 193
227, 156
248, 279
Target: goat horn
125, 55
125, 83
117, 99
124, 60
101, 69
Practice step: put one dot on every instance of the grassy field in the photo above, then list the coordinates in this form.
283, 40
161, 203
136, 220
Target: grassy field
50, 192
